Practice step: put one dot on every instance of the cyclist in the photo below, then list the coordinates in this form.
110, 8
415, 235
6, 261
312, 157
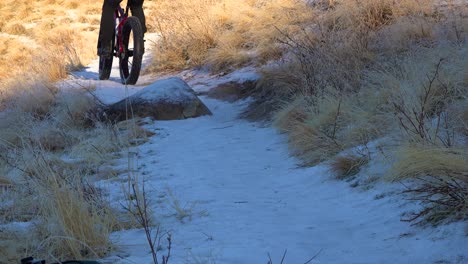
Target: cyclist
106, 31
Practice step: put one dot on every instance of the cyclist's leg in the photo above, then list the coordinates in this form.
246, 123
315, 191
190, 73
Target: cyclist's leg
106, 31
137, 10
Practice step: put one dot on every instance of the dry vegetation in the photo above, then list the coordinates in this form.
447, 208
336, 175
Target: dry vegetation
370, 69
222, 33
52, 141
46, 39
38, 42
71, 218
335, 75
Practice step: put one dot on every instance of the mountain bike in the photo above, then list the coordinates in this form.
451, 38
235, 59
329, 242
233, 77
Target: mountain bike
127, 45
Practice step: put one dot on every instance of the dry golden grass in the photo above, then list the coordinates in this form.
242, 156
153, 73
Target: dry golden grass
340, 90
278, 84
441, 177
15, 126
292, 114
65, 44
319, 130
346, 166
35, 98
399, 70
77, 223
421, 89
39, 125
16, 29
65, 33
316, 138
350, 56
223, 33
74, 221
371, 15
312, 145
74, 108
50, 137
419, 160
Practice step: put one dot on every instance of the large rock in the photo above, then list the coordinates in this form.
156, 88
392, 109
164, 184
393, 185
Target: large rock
166, 99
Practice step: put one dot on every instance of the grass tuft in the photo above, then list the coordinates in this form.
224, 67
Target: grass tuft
346, 166
420, 160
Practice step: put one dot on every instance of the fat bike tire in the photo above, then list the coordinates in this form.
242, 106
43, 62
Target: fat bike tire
105, 66
132, 56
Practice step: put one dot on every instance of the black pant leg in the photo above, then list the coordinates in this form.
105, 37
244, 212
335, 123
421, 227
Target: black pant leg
106, 31
137, 10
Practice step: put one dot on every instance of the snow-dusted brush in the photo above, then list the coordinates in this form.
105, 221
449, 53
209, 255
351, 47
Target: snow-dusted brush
51, 144
363, 73
435, 176
138, 206
427, 97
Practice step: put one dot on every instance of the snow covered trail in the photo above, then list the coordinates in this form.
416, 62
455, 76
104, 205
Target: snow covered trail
246, 197
243, 196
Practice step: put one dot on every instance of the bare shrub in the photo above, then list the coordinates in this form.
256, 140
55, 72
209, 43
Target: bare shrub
138, 207
443, 199
421, 89
440, 181
377, 58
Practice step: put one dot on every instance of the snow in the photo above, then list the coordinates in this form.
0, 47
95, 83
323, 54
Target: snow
202, 80
245, 196
249, 198
171, 90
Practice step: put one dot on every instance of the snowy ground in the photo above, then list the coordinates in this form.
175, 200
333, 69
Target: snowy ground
245, 197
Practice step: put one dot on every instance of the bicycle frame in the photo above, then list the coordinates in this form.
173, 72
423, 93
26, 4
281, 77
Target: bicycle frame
120, 17
127, 46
